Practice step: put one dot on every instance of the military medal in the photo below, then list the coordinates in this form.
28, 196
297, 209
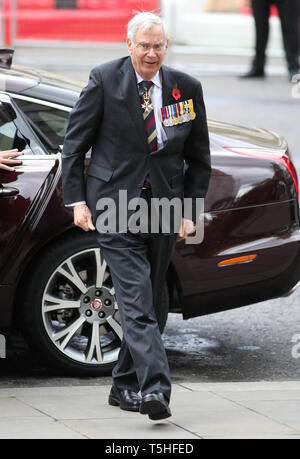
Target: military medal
175, 114
178, 112
147, 106
166, 121
165, 117
181, 113
175, 118
192, 113
186, 112
171, 121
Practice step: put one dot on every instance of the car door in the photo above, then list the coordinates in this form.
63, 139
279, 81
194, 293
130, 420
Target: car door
20, 191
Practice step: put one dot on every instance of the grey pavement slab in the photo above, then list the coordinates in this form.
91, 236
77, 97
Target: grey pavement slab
200, 410
40, 427
131, 427
238, 387
12, 408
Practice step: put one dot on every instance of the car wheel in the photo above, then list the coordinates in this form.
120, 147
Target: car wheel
70, 313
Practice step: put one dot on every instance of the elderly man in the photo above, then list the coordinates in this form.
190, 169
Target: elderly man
8, 161
144, 123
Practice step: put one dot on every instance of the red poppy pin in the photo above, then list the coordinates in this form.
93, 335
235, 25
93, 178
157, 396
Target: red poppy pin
176, 94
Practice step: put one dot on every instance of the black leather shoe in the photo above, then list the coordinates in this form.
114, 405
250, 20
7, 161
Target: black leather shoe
254, 73
156, 406
126, 399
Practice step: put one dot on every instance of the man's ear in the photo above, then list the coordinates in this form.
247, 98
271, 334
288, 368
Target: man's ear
129, 45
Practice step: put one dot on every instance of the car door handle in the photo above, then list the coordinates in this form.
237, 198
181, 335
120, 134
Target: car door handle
6, 192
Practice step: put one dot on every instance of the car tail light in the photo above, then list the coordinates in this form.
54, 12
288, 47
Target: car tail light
275, 155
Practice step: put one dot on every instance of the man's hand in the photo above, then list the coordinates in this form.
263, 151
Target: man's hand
187, 227
6, 162
83, 217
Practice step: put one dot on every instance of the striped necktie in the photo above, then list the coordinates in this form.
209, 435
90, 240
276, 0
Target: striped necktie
148, 114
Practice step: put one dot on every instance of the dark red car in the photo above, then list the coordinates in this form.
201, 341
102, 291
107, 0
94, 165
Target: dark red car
51, 273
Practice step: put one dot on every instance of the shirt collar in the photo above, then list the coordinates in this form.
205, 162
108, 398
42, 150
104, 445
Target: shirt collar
155, 80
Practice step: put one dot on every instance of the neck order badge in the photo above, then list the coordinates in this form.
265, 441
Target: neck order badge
149, 118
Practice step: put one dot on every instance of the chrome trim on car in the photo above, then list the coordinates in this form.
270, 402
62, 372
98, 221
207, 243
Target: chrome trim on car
39, 157
290, 292
4, 97
40, 101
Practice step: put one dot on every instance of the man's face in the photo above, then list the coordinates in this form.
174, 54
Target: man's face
148, 51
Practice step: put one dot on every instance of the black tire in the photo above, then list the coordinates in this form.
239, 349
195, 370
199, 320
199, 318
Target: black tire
46, 324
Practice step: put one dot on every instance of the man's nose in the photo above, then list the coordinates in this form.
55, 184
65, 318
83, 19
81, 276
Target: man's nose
151, 52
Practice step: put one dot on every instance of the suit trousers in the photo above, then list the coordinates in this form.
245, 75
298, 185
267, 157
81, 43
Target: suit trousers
138, 264
288, 12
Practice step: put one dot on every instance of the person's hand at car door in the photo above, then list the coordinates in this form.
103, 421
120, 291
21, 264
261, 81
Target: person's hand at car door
7, 159
83, 217
187, 227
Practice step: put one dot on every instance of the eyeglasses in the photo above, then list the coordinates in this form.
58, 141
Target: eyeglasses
145, 47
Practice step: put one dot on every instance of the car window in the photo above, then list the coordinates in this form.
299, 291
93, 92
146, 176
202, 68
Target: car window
10, 136
49, 124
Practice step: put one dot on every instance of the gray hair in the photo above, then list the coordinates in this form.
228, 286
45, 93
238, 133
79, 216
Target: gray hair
145, 21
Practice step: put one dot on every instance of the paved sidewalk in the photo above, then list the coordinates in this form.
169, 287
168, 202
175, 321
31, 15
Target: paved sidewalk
209, 410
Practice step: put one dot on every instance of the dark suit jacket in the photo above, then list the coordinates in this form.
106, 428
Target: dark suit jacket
108, 118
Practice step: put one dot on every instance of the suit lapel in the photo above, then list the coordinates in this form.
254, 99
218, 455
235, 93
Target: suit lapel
130, 94
168, 82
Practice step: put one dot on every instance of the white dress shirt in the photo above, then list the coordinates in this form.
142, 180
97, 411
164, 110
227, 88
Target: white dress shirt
156, 99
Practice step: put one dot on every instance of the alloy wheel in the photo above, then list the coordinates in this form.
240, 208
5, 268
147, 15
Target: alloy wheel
79, 309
